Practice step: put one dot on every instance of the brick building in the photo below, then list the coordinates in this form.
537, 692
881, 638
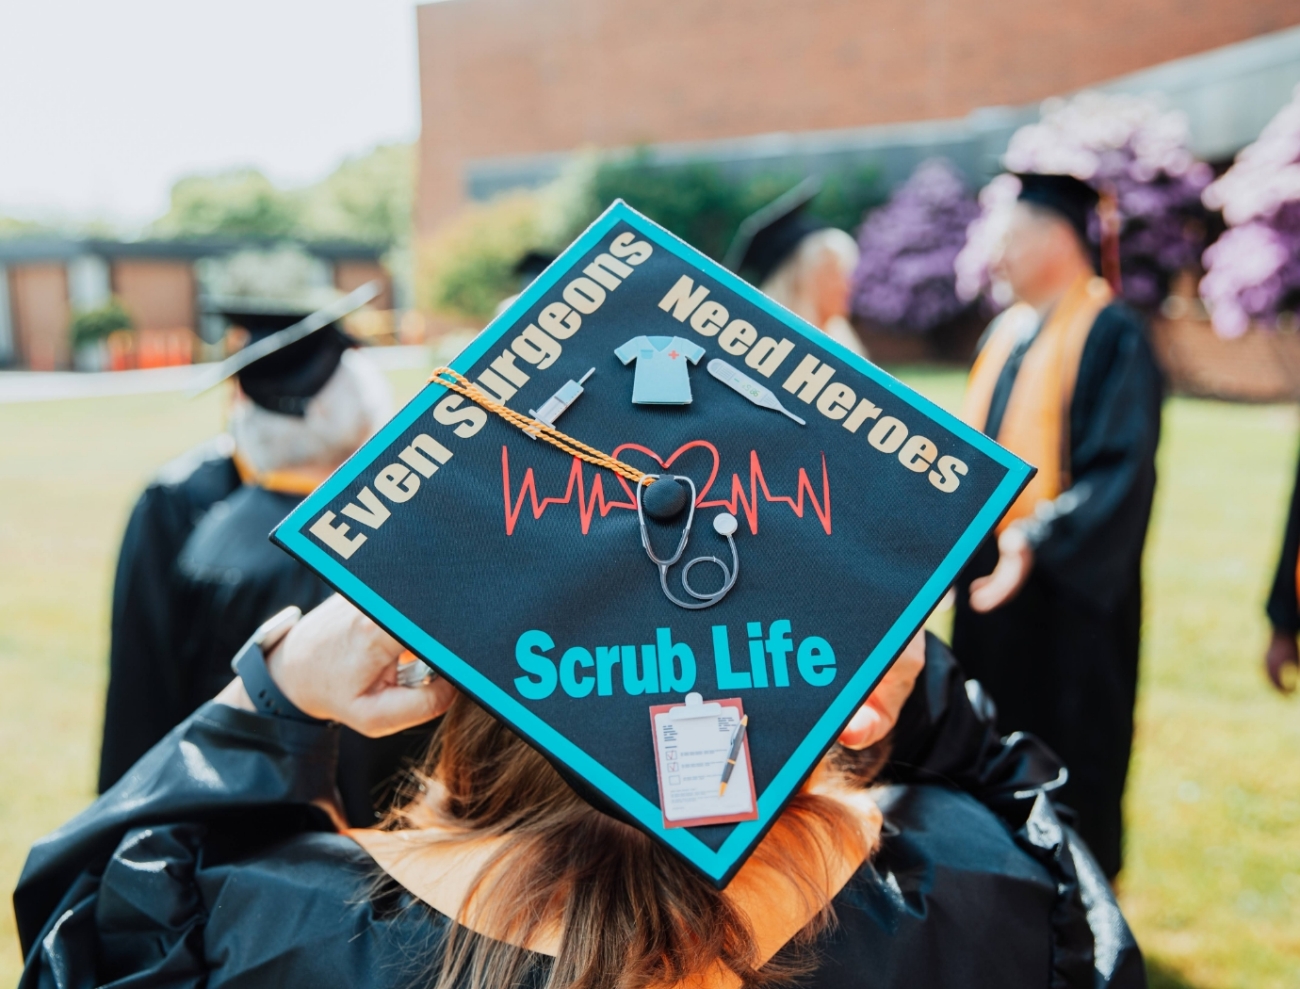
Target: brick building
510, 88
43, 282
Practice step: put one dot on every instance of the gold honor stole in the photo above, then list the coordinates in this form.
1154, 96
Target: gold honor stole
1036, 424
280, 481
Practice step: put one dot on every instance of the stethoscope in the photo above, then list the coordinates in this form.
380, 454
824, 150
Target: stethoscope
724, 524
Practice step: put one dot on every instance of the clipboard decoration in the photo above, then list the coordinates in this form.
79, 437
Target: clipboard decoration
702, 759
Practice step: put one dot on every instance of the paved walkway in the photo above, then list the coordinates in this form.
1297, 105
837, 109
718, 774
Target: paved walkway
46, 386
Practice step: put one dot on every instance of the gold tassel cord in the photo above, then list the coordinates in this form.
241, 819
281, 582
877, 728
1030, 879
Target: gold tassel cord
457, 382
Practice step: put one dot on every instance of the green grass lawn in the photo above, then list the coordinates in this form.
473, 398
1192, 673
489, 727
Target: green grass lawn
1213, 881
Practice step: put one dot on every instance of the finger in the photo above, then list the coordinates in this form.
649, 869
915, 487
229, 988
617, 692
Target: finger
1282, 673
866, 728
914, 654
1274, 671
994, 591
393, 709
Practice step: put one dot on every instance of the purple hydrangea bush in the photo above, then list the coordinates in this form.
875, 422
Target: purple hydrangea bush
1129, 147
1253, 270
905, 278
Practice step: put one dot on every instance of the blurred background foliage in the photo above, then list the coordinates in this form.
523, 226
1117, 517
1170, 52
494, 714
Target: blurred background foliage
704, 205
367, 198
97, 324
924, 262
468, 268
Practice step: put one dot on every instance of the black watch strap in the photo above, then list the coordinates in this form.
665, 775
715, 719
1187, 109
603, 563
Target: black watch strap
250, 664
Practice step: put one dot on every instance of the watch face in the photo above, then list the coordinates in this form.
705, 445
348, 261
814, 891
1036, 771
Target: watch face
275, 628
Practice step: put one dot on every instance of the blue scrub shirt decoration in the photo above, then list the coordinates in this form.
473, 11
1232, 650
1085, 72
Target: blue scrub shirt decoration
662, 375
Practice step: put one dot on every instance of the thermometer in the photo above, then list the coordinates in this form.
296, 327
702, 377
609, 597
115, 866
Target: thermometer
750, 388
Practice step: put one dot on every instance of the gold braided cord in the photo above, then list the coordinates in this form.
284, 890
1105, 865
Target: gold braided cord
457, 382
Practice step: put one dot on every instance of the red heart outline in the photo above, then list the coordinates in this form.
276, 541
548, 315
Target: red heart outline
665, 464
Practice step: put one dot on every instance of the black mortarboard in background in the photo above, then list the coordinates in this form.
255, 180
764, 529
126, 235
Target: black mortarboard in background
291, 353
1068, 197
286, 380
767, 237
531, 265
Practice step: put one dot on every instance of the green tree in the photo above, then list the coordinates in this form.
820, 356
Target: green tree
704, 206
238, 203
94, 325
367, 198
13, 227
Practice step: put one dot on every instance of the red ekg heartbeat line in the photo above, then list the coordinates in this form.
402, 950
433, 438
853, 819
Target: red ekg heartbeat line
741, 502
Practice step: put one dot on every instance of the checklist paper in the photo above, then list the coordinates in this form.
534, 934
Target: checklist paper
692, 743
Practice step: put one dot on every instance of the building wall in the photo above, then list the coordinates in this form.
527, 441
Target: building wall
159, 295
353, 274
38, 295
518, 77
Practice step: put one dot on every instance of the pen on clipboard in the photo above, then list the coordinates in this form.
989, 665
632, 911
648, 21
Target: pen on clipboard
733, 755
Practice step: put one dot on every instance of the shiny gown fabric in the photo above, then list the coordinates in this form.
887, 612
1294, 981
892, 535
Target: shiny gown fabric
197, 575
147, 695
1061, 658
211, 864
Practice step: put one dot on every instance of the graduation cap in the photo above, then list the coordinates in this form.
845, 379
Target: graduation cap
810, 513
291, 354
1068, 197
769, 236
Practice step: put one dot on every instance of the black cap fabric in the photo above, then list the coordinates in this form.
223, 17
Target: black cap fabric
766, 238
519, 572
1066, 196
291, 354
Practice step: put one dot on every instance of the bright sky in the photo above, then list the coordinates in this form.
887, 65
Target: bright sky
104, 103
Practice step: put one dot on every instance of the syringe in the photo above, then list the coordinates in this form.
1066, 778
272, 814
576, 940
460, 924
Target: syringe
554, 406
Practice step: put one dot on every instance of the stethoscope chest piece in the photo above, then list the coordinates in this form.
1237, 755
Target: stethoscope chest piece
663, 500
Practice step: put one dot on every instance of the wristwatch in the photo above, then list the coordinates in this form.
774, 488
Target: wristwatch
249, 665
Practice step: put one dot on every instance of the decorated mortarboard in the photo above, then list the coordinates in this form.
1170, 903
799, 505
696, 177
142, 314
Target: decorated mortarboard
1068, 197
769, 236
290, 354
666, 530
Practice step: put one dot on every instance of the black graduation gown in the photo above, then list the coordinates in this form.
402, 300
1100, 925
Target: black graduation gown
1283, 607
145, 695
209, 865
1061, 659
219, 586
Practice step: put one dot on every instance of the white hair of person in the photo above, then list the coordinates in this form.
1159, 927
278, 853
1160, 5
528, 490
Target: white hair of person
354, 403
814, 283
795, 283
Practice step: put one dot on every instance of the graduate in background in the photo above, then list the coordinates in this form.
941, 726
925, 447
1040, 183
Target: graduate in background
1282, 660
800, 261
1048, 615
197, 573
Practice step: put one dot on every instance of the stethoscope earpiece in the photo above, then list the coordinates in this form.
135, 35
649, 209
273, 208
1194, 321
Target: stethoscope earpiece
665, 504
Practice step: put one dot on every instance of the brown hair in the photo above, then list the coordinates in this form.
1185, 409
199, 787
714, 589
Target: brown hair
630, 913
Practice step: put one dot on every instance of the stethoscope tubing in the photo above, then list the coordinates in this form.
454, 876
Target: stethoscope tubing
729, 574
